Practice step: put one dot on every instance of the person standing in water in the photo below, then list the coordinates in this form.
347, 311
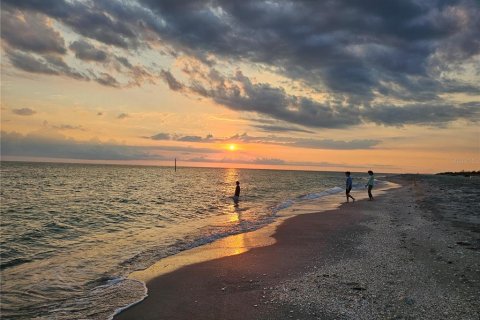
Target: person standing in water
348, 186
236, 197
370, 184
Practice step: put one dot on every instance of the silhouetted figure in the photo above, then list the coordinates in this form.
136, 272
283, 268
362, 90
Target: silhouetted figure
236, 197
370, 184
348, 186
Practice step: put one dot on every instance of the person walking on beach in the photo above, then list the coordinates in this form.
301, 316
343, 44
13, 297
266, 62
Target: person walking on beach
348, 186
236, 197
370, 184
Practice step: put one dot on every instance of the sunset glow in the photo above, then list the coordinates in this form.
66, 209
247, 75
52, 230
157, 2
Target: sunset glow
149, 83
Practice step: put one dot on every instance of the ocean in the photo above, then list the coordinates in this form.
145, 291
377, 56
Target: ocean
72, 233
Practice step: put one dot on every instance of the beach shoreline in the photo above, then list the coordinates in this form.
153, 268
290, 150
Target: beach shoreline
341, 264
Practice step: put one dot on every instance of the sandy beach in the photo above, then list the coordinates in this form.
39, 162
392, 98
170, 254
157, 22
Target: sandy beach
392, 258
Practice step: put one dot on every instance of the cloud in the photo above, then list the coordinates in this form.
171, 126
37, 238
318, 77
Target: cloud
107, 80
55, 65
29, 63
86, 51
280, 162
307, 143
47, 64
241, 94
50, 144
173, 84
351, 54
31, 32
69, 127
139, 75
336, 144
195, 138
182, 138
14, 144
161, 136
105, 21
279, 128
271, 161
123, 116
24, 111
438, 114
124, 61
264, 161
362, 57
276, 140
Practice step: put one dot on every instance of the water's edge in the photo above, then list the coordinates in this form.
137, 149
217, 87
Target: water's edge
326, 200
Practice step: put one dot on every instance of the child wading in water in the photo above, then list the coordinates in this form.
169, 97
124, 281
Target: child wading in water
348, 186
370, 184
236, 197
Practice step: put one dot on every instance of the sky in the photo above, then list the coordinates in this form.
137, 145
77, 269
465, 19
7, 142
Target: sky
392, 86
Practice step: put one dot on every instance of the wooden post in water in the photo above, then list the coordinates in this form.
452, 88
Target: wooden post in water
175, 164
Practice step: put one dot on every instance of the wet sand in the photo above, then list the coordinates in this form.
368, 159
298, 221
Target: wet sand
385, 259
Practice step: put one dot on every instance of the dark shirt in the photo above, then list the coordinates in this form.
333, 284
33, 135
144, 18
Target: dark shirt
237, 191
349, 183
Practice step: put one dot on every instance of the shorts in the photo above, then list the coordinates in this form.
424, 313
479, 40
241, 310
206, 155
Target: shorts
235, 199
347, 191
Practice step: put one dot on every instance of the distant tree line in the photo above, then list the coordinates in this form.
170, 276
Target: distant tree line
460, 173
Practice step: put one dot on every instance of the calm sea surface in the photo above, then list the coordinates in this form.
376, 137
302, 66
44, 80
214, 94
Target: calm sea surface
71, 233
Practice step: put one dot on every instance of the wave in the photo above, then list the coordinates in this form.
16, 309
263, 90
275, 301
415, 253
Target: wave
323, 193
284, 205
310, 196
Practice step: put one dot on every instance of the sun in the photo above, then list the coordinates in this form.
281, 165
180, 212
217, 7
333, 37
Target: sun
232, 147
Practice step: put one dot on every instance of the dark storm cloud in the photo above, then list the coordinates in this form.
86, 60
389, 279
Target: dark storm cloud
242, 95
30, 32
356, 53
24, 111
90, 19
86, 51
346, 47
385, 48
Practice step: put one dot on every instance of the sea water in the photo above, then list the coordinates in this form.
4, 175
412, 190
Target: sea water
71, 233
